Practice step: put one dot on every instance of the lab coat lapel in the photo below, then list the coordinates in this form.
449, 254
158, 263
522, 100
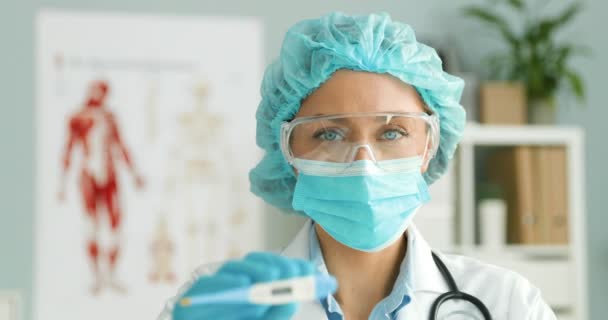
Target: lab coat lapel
300, 248
426, 281
424, 273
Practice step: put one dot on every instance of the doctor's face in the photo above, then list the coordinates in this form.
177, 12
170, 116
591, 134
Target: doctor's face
349, 91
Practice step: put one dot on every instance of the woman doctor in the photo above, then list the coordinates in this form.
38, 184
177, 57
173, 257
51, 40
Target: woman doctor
357, 118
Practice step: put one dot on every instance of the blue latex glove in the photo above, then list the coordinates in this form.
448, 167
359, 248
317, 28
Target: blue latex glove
254, 268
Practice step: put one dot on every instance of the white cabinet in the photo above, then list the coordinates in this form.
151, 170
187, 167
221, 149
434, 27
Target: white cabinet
558, 270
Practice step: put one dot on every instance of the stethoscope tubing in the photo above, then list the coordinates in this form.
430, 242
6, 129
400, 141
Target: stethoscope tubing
454, 293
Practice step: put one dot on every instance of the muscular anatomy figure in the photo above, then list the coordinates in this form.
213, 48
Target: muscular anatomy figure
94, 130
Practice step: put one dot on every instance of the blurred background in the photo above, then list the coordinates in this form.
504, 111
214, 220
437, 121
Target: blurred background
169, 78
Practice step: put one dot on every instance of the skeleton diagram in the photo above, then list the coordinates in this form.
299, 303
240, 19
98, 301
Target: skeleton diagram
199, 184
94, 129
162, 250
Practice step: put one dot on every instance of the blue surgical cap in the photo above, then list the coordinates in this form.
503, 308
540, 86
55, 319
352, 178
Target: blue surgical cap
312, 51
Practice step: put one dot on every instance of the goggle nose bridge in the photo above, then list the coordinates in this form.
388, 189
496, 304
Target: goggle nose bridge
365, 146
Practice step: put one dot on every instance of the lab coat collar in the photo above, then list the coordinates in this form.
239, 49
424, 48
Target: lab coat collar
425, 275
421, 272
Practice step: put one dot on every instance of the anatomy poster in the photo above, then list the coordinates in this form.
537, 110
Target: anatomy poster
145, 131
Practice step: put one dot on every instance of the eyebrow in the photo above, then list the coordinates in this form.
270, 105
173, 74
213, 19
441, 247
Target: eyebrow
389, 111
347, 120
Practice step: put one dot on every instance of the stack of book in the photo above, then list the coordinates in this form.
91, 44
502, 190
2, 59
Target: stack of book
534, 181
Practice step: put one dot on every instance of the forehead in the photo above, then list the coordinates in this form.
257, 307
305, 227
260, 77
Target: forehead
348, 91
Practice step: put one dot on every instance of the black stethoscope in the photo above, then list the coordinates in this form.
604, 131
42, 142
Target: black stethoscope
454, 293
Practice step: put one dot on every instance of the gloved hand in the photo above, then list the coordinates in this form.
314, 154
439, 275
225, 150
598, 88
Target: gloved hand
254, 268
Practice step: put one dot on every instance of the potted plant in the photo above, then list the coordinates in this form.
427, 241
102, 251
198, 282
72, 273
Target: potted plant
534, 57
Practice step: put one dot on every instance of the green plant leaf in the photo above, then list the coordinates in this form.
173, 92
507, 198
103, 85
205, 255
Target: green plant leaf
493, 19
517, 4
497, 65
562, 55
534, 57
569, 13
576, 83
548, 26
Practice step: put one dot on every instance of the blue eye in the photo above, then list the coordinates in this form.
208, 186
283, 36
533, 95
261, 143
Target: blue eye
329, 135
392, 135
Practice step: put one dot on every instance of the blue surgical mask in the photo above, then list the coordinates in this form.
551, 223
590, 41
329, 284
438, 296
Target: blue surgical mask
364, 205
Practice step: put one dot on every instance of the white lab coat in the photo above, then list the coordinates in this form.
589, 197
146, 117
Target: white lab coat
506, 294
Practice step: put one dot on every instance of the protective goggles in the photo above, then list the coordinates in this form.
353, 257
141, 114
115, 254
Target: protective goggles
342, 138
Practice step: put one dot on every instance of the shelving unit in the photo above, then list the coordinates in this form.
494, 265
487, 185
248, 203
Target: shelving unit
560, 270
10, 305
